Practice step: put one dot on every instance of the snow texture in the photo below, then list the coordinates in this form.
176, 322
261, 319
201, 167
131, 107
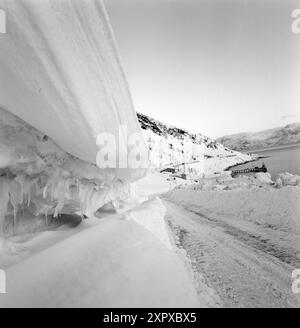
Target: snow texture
115, 263
256, 199
40, 179
287, 179
152, 219
60, 72
60, 75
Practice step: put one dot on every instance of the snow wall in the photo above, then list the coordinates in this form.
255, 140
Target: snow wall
61, 73
61, 85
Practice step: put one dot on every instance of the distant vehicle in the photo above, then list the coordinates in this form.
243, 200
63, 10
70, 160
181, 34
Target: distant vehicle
263, 168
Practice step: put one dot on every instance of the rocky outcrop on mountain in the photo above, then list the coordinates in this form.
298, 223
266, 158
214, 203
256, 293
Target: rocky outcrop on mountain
189, 153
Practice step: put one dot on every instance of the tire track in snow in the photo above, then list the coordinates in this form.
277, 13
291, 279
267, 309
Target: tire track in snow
264, 244
244, 269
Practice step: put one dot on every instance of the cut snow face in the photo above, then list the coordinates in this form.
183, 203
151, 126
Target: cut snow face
60, 75
60, 72
38, 178
116, 263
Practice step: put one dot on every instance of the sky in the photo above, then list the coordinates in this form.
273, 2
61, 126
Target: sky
217, 67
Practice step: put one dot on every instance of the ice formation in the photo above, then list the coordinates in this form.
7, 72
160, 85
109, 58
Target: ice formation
61, 85
38, 178
60, 72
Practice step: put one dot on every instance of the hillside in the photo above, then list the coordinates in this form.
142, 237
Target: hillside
171, 146
281, 136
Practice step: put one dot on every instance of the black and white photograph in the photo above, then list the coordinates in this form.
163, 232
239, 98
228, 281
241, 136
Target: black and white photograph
149, 156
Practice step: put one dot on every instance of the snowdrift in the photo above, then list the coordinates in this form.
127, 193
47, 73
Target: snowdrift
39, 179
116, 263
61, 85
287, 179
60, 72
251, 198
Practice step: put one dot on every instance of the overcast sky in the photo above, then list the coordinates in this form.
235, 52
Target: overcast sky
212, 66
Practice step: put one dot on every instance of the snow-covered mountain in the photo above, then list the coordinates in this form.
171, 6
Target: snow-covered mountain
281, 136
170, 146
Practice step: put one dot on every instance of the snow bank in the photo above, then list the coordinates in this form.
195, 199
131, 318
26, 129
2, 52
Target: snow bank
39, 179
261, 204
60, 72
152, 218
264, 177
155, 183
287, 179
225, 181
116, 263
60, 75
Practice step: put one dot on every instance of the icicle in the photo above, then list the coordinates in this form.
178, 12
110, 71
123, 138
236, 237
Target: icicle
68, 182
77, 185
29, 197
4, 199
52, 191
45, 190
46, 217
15, 198
21, 180
59, 194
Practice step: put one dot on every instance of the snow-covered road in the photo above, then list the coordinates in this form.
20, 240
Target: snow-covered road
235, 248
245, 269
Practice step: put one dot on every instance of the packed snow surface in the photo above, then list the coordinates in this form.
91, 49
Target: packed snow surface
245, 198
242, 235
237, 244
115, 262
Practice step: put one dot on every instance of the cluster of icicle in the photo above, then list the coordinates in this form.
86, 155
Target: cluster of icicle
54, 197
37, 178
